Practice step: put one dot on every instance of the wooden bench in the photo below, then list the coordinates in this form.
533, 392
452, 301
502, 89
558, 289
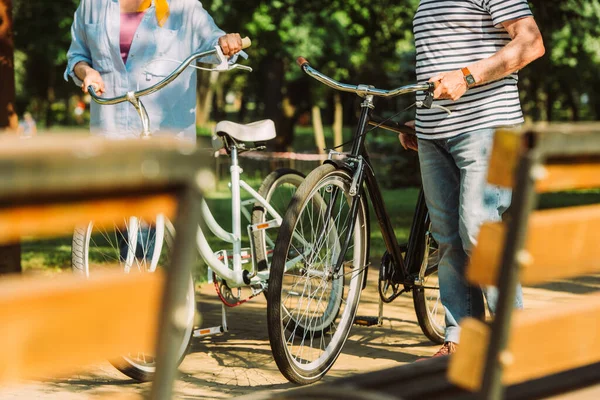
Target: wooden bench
521, 354
52, 183
535, 246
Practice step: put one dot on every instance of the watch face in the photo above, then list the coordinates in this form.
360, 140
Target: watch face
470, 80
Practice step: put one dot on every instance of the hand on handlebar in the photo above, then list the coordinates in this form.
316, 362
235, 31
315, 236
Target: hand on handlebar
231, 44
449, 85
93, 78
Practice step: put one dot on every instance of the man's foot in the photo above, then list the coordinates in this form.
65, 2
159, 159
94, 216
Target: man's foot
447, 349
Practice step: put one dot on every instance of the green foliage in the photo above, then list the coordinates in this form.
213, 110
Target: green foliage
359, 41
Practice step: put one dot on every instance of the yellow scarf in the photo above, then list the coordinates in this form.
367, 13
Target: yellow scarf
162, 10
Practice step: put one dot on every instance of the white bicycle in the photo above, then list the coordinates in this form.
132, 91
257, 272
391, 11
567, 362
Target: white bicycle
137, 245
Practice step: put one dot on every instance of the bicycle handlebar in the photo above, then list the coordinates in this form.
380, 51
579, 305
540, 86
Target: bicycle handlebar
131, 96
361, 90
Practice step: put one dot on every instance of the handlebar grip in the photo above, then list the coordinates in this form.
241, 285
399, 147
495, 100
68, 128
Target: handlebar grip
92, 90
246, 42
301, 61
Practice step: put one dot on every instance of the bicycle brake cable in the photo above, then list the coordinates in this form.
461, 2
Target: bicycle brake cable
374, 127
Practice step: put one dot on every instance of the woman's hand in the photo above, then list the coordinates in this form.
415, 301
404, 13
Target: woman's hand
409, 141
90, 77
230, 44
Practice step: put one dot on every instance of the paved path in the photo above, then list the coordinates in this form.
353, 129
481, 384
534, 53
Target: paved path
240, 361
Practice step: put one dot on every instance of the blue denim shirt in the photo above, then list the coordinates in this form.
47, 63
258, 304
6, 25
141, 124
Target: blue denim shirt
153, 55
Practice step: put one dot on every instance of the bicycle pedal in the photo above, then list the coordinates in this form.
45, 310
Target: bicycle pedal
365, 321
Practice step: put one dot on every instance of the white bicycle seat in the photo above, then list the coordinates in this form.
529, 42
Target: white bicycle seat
258, 131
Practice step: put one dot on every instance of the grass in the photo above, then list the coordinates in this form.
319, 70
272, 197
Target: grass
54, 255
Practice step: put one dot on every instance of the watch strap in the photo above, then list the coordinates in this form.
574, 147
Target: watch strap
468, 76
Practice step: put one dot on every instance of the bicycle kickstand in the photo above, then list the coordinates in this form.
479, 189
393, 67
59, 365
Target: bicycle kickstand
370, 321
215, 330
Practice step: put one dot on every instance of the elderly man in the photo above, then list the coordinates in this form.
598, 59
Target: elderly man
471, 50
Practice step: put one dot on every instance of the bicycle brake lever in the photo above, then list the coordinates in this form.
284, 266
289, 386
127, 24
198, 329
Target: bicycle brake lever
242, 67
223, 62
442, 108
428, 101
420, 104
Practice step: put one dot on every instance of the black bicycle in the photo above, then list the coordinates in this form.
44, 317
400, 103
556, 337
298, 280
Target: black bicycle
320, 261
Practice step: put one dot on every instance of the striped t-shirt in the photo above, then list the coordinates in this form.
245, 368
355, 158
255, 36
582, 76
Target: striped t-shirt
452, 34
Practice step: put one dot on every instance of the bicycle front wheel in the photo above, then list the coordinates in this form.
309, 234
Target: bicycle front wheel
135, 246
311, 306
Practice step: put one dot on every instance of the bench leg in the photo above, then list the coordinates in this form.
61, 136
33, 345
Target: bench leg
172, 327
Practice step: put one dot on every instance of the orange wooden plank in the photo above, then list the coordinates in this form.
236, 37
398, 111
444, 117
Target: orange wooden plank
542, 342
559, 177
505, 157
560, 243
54, 219
57, 326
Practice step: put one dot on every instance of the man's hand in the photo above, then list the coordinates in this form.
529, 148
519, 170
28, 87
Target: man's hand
409, 141
230, 44
90, 77
449, 85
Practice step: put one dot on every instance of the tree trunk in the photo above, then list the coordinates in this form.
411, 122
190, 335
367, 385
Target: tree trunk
573, 104
243, 111
318, 128
50, 97
206, 83
9, 120
219, 102
550, 98
338, 122
272, 82
10, 255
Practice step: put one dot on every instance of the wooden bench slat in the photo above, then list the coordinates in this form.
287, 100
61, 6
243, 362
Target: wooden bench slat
54, 219
505, 157
569, 177
561, 242
542, 342
56, 326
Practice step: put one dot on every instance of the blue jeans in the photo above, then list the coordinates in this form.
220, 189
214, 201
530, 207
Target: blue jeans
144, 250
454, 173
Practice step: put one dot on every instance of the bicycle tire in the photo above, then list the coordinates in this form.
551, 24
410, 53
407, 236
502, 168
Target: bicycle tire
83, 237
427, 302
331, 323
287, 180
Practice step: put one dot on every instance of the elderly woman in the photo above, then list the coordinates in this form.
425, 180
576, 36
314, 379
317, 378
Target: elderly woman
123, 45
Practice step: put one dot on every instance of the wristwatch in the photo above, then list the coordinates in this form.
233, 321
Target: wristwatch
468, 77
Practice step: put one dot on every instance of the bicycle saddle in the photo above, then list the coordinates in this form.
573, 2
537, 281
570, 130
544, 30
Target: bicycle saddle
258, 131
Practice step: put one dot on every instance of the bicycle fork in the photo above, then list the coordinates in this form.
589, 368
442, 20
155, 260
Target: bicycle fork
356, 192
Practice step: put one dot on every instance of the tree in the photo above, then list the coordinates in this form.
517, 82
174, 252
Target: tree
45, 54
10, 256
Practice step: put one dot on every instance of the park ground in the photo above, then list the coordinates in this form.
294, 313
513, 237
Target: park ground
240, 362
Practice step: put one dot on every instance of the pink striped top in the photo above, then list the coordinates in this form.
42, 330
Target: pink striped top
129, 24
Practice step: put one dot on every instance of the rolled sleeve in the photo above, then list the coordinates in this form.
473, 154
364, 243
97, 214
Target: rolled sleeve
78, 51
506, 10
206, 31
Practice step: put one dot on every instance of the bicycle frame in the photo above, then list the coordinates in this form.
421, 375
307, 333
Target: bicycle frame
359, 164
236, 276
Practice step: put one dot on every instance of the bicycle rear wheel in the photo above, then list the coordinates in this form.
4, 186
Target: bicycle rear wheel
277, 189
431, 314
101, 248
311, 307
